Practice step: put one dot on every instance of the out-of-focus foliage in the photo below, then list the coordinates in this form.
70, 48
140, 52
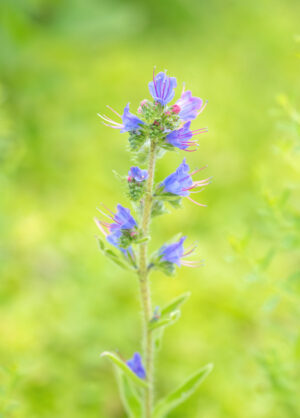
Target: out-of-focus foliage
61, 301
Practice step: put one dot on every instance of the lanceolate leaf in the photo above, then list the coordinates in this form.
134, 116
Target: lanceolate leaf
129, 397
123, 366
182, 393
164, 322
175, 303
117, 259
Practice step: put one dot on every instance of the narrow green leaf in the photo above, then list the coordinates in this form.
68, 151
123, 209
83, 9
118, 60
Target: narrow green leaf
123, 366
181, 394
129, 397
113, 257
175, 203
164, 322
111, 254
174, 304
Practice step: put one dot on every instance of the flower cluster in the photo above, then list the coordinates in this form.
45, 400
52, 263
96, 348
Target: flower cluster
169, 125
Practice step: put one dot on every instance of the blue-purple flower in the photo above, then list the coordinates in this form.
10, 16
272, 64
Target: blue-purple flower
136, 365
181, 183
130, 122
122, 223
188, 107
122, 219
162, 88
135, 173
174, 254
181, 138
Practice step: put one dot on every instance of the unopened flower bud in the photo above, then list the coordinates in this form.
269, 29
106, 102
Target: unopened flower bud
176, 109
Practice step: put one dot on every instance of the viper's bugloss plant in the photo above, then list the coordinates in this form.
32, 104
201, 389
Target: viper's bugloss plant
160, 127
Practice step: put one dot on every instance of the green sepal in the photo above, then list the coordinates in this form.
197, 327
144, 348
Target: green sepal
120, 260
136, 190
142, 240
166, 267
158, 208
129, 397
124, 368
165, 196
167, 146
176, 203
137, 139
182, 393
171, 198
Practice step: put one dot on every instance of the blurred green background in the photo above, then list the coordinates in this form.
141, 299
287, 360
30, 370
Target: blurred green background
61, 302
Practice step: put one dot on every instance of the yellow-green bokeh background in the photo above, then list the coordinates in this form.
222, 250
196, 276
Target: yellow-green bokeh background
61, 302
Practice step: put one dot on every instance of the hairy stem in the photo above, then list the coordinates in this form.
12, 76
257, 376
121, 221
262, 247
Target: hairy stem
144, 285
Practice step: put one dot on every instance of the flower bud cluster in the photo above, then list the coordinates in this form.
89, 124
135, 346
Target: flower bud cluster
136, 183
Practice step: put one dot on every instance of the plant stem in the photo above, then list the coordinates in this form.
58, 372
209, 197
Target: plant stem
145, 287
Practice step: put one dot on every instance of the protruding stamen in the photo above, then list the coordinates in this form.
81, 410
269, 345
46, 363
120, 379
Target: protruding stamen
197, 170
202, 108
188, 252
112, 126
199, 191
98, 223
105, 214
107, 119
196, 203
108, 210
113, 110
